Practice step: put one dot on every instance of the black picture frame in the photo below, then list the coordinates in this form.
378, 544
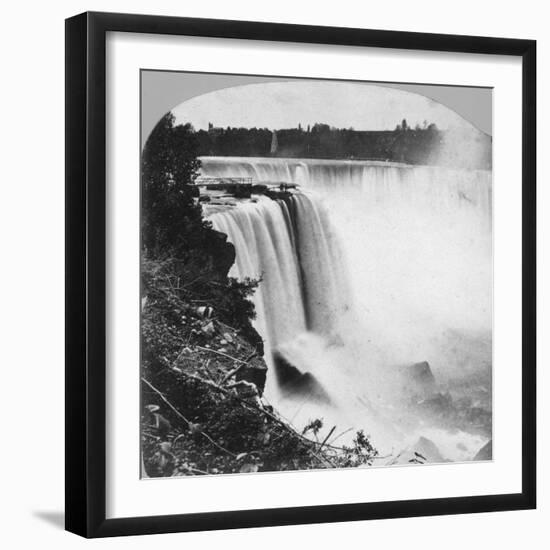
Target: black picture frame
86, 264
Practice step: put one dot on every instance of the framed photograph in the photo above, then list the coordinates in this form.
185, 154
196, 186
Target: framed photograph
300, 274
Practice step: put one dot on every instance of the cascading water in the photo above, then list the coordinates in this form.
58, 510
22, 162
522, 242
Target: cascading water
368, 265
291, 247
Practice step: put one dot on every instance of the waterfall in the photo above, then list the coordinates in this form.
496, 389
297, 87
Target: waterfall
264, 250
290, 246
367, 265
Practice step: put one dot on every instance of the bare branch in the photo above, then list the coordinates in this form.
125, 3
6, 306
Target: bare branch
222, 354
326, 438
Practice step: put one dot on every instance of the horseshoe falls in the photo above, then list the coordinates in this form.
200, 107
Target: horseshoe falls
365, 268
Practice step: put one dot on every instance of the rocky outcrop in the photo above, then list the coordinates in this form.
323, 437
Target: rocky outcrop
423, 451
485, 453
222, 254
416, 379
294, 382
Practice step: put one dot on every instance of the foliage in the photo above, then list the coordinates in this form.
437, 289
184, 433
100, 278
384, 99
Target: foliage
170, 217
359, 453
313, 426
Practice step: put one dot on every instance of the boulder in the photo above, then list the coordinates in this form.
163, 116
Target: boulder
242, 191
423, 451
486, 452
293, 382
418, 377
209, 329
439, 403
259, 189
254, 372
222, 254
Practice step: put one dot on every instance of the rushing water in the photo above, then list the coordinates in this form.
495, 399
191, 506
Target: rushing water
368, 265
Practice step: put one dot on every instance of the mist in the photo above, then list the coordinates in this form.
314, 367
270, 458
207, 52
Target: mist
403, 268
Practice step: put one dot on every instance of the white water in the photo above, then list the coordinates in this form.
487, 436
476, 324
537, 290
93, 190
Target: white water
368, 266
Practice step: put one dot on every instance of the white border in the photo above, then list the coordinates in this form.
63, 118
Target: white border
126, 494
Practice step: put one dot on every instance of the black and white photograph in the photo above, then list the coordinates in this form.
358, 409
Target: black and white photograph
274, 276
316, 274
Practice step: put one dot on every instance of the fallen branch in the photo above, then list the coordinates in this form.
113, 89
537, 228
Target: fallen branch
196, 470
326, 438
234, 371
207, 369
322, 459
226, 355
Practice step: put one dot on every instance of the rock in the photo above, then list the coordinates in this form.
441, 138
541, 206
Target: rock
204, 311
418, 377
248, 468
209, 329
259, 189
242, 191
222, 254
293, 382
428, 449
278, 195
422, 452
486, 452
254, 372
438, 403
422, 374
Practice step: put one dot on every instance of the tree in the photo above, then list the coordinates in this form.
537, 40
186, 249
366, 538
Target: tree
169, 169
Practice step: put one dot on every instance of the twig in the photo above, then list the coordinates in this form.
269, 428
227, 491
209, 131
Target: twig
341, 434
207, 369
234, 371
326, 438
322, 459
223, 354
228, 326
187, 421
189, 469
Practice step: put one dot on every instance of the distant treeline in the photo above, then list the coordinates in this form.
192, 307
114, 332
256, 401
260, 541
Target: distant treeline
418, 145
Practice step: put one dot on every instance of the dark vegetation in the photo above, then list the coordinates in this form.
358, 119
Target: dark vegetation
418, 145
202, 366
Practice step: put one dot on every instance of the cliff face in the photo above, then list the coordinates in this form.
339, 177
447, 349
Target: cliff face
222, 255
196, 366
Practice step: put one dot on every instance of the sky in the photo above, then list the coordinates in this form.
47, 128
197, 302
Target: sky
277, 105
